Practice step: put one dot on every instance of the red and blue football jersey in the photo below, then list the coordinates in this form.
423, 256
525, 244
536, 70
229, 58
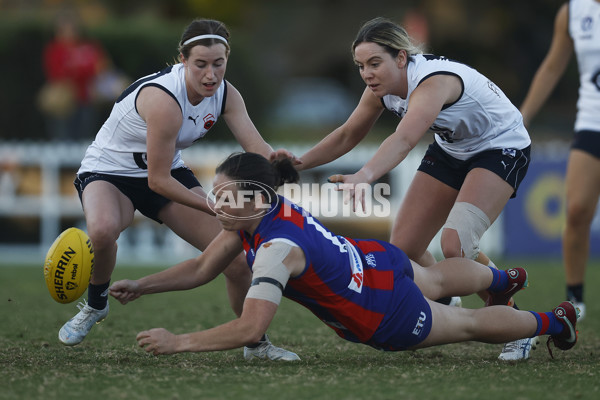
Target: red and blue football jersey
363, 289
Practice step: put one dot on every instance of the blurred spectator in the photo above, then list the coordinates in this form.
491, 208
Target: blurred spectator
71, 65
416, 25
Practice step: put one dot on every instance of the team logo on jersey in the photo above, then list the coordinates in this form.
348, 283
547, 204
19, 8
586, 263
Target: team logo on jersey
209, 121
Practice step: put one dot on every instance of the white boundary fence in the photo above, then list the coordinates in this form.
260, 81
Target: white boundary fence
50, 198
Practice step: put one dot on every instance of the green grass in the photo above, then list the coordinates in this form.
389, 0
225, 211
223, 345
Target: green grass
109, 365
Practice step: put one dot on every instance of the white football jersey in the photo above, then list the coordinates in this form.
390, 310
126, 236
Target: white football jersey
120, 146
584, 28
482, 118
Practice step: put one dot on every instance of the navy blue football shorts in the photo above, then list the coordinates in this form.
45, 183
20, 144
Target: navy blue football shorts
509, 164
146, 201
588, 141
409, 322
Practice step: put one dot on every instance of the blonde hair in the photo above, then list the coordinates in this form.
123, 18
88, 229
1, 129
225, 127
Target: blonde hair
389, 35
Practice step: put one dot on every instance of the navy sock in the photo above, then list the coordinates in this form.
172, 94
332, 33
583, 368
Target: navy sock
575, 293
499, 281
262, 339
98, 295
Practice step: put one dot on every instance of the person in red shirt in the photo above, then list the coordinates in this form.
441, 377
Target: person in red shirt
71, 64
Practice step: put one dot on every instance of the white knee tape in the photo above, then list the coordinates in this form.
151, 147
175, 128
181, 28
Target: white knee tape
470, 223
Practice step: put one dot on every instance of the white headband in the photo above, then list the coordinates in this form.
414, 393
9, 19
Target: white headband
205, 37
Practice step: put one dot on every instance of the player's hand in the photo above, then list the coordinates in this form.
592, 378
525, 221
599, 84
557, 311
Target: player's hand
157, 341
353, 186
125, 290
283, 153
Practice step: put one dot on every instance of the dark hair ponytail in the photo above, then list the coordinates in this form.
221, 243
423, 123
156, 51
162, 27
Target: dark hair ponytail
257, 173
285, 172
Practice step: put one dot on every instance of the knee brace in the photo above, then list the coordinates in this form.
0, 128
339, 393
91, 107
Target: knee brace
470, 223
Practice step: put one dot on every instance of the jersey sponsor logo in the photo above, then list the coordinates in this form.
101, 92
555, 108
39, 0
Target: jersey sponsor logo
356, 283
371, 262
420, 323
193, 119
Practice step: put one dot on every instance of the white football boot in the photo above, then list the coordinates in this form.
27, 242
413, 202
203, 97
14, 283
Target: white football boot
76, 329
267, 351
519, 349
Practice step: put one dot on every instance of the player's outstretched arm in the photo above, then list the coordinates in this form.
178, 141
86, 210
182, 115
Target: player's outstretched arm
247, 329
185, 275
347, 136
275, 262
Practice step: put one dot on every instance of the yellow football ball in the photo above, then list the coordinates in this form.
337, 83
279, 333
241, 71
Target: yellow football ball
69, 265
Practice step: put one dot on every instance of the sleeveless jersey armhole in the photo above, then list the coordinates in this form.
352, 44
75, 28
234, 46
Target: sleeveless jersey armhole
159, 87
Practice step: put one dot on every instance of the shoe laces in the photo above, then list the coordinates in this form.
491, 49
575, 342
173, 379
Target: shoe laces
550, 339
512, 346
84, 312
553, 340
81, 305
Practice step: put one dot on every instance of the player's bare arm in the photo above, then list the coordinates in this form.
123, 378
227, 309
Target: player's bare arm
185, 275
239, 122
163, 119
247, 329
424, 105
552, 68
348, 135
256, 316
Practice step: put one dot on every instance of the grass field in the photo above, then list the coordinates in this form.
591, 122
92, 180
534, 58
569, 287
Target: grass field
109, 365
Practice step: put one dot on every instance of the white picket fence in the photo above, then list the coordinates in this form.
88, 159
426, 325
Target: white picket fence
36, 182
